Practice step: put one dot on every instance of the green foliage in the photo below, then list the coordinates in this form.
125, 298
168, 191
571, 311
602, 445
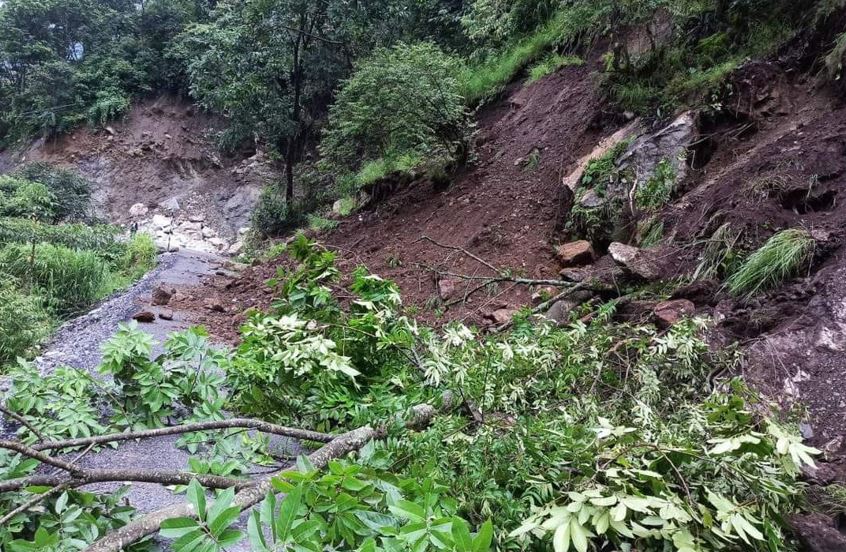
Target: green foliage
139, 257
100, 238
656, 191
67, 523
383, 167
23, 322
71, 192
400, 103
25, 199
720, 255
274, 216
551, 64
108, 105
187, 374
781, 257
69, 280
488, 77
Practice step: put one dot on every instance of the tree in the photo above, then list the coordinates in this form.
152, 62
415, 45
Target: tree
404, 100
269, 66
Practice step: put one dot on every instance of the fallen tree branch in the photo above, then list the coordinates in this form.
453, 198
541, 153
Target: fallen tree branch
260, 425
244, 499
545, 305
40, 456
420, 416
38, 498
23, 421
460, 249
87, 477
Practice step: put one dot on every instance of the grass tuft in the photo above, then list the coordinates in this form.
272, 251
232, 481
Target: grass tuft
780, 258
551, 64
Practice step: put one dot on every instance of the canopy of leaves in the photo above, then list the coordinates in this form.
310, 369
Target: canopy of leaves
403, 100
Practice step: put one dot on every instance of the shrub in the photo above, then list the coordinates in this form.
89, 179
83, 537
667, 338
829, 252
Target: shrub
109, 105
782, 257
100, 238
402, 101
139, 257
273, 216
26, 199
23, 321
70, 280
72, 191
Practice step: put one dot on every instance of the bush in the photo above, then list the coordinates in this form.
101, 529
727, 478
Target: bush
101, 239
109, 105
23, 321
72, 191
139, 257
401, 101
70, 280
782, 257
26, 199
273, 216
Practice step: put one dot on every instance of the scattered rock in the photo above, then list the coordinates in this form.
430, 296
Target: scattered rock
160, 296
816, 533
197, 217
214, 305
573, 275
110, 130
560, 311
447, 288
634, 260
171, 205
138, 210
501, 316
669, 313
236, 248
577, 253
217, 242
161, 221
145, 317
209, 232
166, 315
701, 292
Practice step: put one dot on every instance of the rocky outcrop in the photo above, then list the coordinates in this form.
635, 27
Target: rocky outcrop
817, 533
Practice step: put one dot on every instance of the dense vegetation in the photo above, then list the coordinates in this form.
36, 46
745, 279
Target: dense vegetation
596, 435
55, 259
297, 77
577, 438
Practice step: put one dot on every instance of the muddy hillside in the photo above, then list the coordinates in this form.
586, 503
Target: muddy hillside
775, 160
159, 167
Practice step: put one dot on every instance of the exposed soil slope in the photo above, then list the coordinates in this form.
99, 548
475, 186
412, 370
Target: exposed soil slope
160, 155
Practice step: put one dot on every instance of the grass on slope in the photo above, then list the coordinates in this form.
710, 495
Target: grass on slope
782, 257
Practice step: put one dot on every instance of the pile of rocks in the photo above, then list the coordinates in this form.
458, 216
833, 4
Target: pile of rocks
189, 231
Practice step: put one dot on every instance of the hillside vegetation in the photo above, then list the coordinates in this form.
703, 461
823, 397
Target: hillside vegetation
621, 423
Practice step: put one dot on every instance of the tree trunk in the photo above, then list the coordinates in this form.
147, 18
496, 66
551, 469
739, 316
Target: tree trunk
289, 179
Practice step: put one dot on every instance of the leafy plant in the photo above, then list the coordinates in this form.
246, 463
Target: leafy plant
23, 322
401, 103
551, 64
781, 257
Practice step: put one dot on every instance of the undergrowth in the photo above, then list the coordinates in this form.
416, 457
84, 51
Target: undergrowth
590, 436
783, 256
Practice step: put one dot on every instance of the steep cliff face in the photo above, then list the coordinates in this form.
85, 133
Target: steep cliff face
162, 157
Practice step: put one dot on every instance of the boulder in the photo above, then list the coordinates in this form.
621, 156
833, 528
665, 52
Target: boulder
166, 315
634, 260
190, 226
209, 232
161, 221
560, 311
171, 205
236, 248
218, 243
138, 210
197, 217
577, 253
145, 317
214, 305
817, 533
160, 296
501, 316
573, 274
448, 288
669, 313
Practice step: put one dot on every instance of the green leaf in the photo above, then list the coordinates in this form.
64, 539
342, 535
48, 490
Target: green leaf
561, 538
255, 532
177, 527
408, 510
484, 538
578, 536
287, 513
461, 535
197, 497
